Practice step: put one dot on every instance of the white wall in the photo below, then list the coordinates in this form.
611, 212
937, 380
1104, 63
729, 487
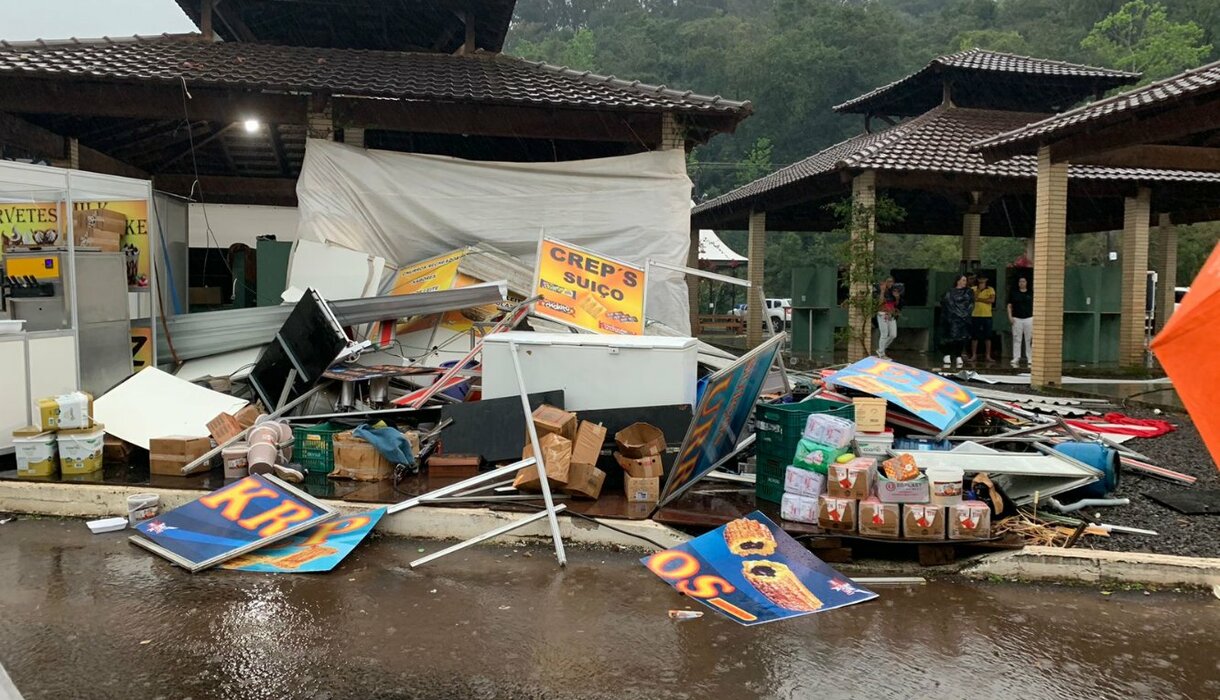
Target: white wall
240, 223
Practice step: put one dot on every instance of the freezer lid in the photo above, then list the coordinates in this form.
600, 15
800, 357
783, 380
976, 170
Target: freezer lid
641, 342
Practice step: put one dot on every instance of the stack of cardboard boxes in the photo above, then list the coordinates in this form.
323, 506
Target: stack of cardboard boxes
850, 494
640, 447
570, 448
99, 228
65, 441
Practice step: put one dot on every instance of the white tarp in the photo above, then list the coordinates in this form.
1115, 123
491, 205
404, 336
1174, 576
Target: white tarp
407, 207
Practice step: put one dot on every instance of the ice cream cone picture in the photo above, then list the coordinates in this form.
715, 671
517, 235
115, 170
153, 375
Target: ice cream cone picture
847, 478
877, 518
836, 512
923, 520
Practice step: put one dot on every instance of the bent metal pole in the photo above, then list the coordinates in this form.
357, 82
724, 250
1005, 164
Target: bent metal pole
538, 460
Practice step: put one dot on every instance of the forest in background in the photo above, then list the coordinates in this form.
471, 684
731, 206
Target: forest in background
795, 59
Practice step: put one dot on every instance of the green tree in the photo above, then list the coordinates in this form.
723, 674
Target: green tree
1140, 37
757, 162
993, 40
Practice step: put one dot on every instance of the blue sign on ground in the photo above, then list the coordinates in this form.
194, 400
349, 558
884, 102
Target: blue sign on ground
930, 398
754, 572
245, 515
317, 549
725, 406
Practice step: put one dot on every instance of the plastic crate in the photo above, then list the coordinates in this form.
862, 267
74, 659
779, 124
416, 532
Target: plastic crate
778, 427
313, 446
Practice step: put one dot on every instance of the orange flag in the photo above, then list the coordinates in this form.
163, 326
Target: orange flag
1189, 351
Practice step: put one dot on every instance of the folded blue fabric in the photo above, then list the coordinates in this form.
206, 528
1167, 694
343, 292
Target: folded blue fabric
392, 444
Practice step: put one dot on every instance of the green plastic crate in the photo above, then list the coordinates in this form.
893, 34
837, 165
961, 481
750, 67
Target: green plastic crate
313, 446
778, 428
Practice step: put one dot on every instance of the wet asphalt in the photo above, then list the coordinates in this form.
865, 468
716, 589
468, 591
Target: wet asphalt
85, 616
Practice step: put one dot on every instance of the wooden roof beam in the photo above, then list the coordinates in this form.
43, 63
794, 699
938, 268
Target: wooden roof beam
1173, 124
52, 146
274, 191
1196, 158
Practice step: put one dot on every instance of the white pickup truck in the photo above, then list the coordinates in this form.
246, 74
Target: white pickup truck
779, 311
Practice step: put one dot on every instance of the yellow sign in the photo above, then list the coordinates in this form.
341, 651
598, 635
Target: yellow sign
43, 224
583, 289
431, 275
141, 347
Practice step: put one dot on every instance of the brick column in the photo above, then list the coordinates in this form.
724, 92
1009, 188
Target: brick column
1166, 269
1135, 278
756, 251
863, 198
1050, 249
673, 135
972, 226
353, 136
320, 122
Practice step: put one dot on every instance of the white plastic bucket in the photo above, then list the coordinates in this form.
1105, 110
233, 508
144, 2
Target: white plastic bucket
235, 461
946, 485
142, 506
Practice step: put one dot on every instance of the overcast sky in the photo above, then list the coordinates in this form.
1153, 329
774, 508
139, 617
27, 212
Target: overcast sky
58, 19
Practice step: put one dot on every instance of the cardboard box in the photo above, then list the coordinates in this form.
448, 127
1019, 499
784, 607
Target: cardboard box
116, 451
874, 444
224, 427
870, 414
877, 519
828, 430
797, 508
645, 490
913, 491
168, 455
640, 440
246, 416
454, 466
969, 520
99, 228
548, 419
923, 522
855, 479
358, 460
642, 467
584, 481
836, 514
804, 482
205, 296
556, 457
587, 448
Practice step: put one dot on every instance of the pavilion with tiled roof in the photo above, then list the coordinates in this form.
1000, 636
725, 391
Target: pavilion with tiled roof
1172, 123
399, 75
924, 160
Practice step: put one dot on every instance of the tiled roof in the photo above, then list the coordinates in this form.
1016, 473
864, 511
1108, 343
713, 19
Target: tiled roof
481, 77
1150, 97
395, 25
992, 62
936, 142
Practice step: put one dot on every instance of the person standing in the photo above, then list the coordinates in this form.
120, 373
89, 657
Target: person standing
955, 309
1021, 316
889, 297
980, 319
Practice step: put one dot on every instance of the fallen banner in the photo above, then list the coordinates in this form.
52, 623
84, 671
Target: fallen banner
753, 572
315, 550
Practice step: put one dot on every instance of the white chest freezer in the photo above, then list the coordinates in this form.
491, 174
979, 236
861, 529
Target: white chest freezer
594, 371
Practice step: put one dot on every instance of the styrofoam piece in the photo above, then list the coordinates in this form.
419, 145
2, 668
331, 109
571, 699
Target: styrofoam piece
333, 271
154, 404
7, 326
107, 525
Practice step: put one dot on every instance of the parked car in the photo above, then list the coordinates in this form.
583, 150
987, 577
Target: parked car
779, 311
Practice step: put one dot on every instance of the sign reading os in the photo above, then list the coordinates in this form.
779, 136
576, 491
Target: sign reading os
590, 291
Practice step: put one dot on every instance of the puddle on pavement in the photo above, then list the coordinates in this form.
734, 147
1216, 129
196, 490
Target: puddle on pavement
92, 616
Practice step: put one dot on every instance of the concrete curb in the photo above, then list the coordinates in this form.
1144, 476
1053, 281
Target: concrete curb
105, 500
1098, 567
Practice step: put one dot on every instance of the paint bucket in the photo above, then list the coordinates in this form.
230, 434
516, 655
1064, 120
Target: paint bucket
234, 458
142, 506
80, 451
946, 485
1099, 457
265, 434
261, 458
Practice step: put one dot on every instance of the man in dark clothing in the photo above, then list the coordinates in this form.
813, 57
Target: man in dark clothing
1021, 316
